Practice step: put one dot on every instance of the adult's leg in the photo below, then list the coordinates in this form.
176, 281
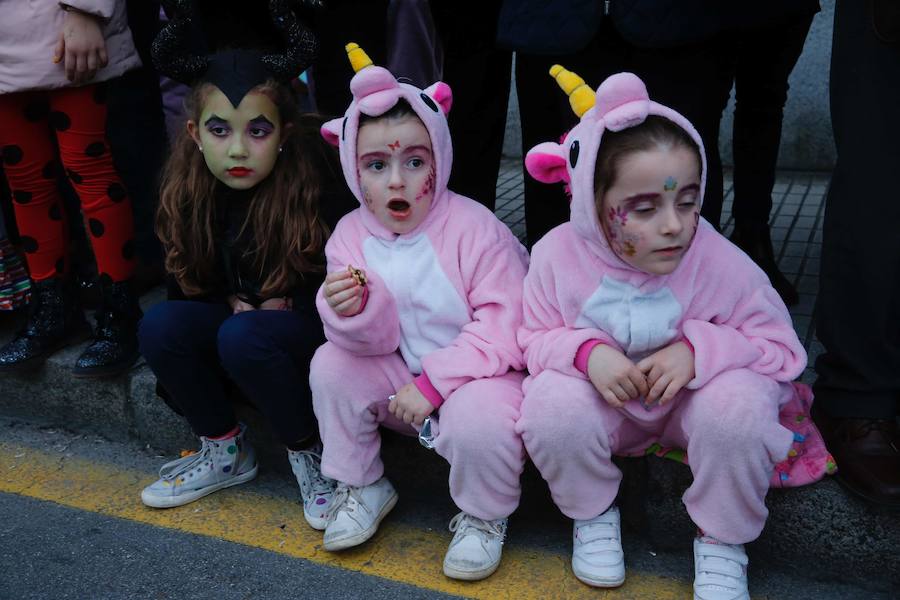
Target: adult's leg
858, 383
479, 440
765, 58
859, 284
544, 115
338, 23
414, 51
178, 340
733, 438
479, 75
694, 80
267, 354
350, 400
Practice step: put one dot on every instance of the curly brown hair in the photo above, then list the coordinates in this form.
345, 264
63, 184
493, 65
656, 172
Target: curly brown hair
288, 233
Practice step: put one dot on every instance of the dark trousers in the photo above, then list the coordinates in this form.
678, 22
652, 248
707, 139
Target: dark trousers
479, 75
195, 348
858, 316
694, 80
764, 59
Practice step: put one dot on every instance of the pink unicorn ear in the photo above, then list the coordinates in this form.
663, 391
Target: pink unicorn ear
441, 94
331, 131
547, 163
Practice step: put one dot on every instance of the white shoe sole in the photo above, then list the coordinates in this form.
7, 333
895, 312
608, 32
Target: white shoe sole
454, 573
154, 501
362, 536
319, 524
604, 582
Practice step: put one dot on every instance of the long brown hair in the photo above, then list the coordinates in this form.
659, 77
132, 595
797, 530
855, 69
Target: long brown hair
288, 232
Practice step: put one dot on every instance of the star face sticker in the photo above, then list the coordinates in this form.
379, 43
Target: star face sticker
395, 145
670, 184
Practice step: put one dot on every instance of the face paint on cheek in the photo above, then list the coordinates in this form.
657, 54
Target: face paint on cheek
428, 187
623, 242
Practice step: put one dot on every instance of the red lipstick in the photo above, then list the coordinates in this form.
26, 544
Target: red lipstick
239, 171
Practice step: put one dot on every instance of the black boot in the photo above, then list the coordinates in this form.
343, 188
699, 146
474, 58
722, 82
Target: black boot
115, 346
54, 321
757, 243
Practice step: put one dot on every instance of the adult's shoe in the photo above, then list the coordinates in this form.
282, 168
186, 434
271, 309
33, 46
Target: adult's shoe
867, 453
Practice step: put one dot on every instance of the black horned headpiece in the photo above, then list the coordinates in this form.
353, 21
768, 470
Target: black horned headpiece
234, 45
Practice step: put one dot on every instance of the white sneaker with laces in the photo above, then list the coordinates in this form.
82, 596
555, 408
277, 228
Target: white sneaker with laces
315, 489
720, 570
218, 464
475, 549
356, 512
597, 557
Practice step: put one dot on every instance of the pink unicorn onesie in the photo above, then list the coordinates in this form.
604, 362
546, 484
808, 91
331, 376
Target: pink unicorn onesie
648, 287
435, 292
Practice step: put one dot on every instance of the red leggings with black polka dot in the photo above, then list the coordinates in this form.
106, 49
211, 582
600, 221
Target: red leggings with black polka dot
41, 133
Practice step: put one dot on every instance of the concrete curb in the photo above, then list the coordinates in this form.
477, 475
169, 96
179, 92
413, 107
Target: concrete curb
817, 531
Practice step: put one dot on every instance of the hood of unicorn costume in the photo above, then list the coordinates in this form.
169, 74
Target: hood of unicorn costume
619, 103
376, 91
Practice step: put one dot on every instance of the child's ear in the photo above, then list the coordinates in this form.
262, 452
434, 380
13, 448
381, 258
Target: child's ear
547, 163
331, 131
442, 94
192, 131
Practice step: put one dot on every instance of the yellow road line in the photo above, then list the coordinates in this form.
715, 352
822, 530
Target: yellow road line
397, 552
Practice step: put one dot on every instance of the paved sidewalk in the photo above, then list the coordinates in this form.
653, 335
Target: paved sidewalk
796, 220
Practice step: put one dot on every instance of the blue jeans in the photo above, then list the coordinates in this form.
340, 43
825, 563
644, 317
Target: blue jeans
194, 348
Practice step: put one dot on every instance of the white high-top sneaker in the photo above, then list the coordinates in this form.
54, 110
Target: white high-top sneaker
475, 549
720, 570
597, 557
218, 464
315, 489
356, 512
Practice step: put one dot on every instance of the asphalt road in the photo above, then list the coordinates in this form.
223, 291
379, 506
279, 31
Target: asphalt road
95, 541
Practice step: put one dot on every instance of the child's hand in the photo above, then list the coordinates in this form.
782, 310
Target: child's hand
82, 46
277, 304
342, 293
668, 370
615, 376
410, 406
238, 305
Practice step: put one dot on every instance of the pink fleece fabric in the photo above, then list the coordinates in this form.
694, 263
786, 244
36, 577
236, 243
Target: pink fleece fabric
718, 301
443, 307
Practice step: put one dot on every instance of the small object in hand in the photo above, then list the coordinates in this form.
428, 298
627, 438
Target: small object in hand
358, 276
429, 432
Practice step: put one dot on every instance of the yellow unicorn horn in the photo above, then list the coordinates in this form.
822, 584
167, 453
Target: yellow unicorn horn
358, 58
581, 97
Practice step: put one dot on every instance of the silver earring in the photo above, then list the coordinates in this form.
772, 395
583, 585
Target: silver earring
200, 148
280, 149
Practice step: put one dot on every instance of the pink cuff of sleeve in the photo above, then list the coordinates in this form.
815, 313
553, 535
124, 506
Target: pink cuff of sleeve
688, 343
365, 298
423, 384
584, 353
